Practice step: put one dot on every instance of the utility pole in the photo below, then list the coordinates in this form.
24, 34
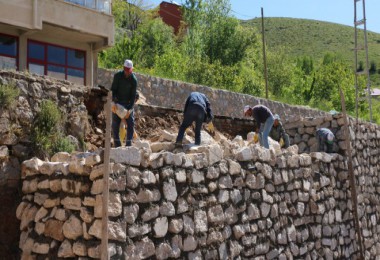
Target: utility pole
357, 49
264, 53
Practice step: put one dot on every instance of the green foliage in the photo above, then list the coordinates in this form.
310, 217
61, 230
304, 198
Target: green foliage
151, 39
63, 144
8, 94
47, 131
307, 60
155, 38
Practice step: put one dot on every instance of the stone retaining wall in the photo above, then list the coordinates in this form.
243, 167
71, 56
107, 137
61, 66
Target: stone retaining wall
208, 203
172, 94
15, 143
310, 190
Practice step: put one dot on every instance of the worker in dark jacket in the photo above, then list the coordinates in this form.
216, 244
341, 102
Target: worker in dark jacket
325, 139
264, 120
197, 109
123, 89
278, 133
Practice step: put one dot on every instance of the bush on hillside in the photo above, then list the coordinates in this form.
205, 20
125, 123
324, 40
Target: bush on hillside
8, 94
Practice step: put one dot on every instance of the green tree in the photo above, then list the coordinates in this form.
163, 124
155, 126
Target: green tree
155, 38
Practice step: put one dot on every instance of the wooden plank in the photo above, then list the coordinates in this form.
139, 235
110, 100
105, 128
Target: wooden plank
106, 173
351, 175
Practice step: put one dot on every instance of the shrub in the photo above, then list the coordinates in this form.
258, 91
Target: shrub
63, 144
8, 94
47, 131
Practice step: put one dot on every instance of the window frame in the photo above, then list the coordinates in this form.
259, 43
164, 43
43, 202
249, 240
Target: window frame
46, 63
17, 49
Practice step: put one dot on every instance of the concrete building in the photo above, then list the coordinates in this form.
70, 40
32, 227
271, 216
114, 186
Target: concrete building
58, 38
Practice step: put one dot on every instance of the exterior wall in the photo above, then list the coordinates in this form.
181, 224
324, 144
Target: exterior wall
171, 15
32, 14
172, 94
61, 23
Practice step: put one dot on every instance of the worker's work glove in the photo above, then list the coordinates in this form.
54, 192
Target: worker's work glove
282, 143
113, 108
210, 128
255, 138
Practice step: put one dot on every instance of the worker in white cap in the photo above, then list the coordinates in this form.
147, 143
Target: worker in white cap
325, 139
124, 88
264, 122
278, 133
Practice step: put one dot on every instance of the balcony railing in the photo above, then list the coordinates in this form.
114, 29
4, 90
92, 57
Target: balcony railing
99, 5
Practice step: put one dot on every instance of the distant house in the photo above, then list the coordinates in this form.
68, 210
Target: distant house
171, 14
375, 93
58, 38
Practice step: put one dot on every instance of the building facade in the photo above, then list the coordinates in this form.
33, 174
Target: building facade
171, 14
58, 38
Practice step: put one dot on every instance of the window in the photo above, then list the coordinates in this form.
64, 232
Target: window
57, 61
8, 52
100, 5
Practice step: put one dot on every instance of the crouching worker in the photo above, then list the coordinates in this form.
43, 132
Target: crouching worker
264, 120
197, 109
123, 89
325, 139
278, 132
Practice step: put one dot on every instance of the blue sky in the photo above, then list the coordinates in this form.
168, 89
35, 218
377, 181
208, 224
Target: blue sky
336, 11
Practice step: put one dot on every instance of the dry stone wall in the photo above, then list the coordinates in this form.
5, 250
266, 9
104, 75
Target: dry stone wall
207, 203
15, 143
173, 94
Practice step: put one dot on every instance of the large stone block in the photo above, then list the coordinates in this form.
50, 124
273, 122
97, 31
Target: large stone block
126, 155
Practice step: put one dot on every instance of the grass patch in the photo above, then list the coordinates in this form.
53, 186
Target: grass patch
8, 94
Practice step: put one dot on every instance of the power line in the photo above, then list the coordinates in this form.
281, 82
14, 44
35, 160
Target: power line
248, 16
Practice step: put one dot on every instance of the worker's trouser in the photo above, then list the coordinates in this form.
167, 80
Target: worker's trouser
130, 129
265, 130
194, 113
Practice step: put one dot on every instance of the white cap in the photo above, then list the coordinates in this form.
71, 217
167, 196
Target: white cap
128, 64
330, 137
246, 108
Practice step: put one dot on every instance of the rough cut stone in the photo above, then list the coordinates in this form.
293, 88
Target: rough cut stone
72, 228
161, 227
117, 231
126, 155
170, 191
66, 250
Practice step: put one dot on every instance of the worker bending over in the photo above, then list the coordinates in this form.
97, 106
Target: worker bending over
325, 139
278, 133
264, 120
197, 109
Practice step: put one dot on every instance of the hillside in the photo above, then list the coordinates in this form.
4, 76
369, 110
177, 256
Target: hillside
314, 38
302, 37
